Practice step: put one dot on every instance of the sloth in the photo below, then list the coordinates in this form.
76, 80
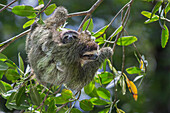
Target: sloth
60, 56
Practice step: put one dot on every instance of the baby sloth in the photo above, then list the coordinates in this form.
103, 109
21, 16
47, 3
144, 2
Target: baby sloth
60, 56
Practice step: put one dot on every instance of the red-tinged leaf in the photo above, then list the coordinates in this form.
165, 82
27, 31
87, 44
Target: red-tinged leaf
132, 88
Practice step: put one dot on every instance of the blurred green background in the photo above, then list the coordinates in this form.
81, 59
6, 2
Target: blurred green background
155, 90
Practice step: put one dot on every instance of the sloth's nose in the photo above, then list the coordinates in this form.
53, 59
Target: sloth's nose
94, 57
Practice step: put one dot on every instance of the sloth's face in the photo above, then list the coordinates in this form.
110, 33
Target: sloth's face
88, 47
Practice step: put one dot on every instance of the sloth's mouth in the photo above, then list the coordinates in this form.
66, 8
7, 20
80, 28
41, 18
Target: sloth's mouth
90, 55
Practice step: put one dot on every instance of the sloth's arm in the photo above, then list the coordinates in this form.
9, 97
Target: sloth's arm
90, 68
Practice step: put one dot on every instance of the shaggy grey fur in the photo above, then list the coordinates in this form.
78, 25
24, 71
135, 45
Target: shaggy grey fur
59, 56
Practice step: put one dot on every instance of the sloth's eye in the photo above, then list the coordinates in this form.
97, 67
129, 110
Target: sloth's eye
68, 38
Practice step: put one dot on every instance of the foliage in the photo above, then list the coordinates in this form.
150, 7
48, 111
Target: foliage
26, 94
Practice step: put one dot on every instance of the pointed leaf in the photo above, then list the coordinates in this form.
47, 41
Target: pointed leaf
2, 88
137, 78
100, 31
132, 88
119, 29
60, 100
1, 74
126, 40
165, 36
123, 85
21, 63
106, 77
23, 10
3, 66
52, 107
89, 25
104, 93
133, 70
86, 105
50, 9
20, 96
89, 88
2, 56
97, 101
12, 74
66, 94
167, 9
156, 8
35, 96
29, 23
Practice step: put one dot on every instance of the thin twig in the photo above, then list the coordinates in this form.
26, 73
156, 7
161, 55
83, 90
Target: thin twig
113, 19
5, 5
89, 12
61, 107
8, 5
11, 40
44, 7
44, 99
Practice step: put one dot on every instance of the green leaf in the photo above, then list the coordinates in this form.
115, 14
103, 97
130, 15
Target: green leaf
156, 8
1, 74
86, 105
74, 110
123, 85
35, 96
3, 66
146, 14
89, 88
66, 94
104, 93
118, 30
154, 18
50, 9
106, 77
164, 36
11, 64
7, 86
97, 101
40, 21
133, 70
3, 57
167, 8
2, 87
12, 105
119, 110
21, 63
10, 99
104, 65
89, 25
94, 93
12, 74
100, 31
23, 10
20, 97
28, 23
52, 107
104, 111
60, 100
126, 40
40, 2
33, 16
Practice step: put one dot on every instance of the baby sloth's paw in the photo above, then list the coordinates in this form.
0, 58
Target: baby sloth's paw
105, 53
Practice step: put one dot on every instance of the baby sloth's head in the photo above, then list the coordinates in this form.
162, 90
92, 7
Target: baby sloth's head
82, 42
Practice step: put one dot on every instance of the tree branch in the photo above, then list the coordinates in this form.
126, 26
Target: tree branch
11, 40
8, 5
44, 7
89, 12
